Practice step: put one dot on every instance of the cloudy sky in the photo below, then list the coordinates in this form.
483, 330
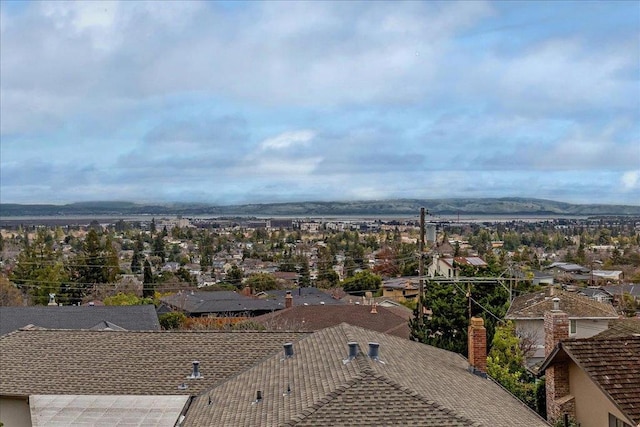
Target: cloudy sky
234, 102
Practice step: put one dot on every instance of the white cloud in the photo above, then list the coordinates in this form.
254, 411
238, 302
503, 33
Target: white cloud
288, 139
630, 180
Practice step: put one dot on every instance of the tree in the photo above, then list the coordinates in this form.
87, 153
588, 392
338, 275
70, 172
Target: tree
10, 295
235, 275
91, 262
305, 274
147, 286
361, 282
261, 282
39, 269
158, 247
447, 327
126, 299
173, 320
505, 364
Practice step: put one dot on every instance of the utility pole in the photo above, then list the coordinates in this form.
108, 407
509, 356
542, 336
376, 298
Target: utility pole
421, 267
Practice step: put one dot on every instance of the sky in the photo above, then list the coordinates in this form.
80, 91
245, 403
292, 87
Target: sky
263, 102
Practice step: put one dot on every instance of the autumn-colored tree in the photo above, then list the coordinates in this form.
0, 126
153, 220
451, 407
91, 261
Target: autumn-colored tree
10, 295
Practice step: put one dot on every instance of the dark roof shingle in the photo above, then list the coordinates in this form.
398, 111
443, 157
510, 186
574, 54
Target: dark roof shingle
132, 318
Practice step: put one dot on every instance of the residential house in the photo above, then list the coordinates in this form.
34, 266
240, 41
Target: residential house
132, 318
120, 367
607, 276
343, 375
596, 293
445, 266
594, 381
562, 270
242, 304
586, 316
302, 296
219, 304
401, 288
621, 328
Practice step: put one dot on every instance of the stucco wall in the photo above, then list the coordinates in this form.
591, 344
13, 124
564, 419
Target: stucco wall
585, 328
592, 405
588, 328
15, 412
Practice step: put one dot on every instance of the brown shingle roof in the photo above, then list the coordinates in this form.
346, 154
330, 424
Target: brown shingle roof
110, 362
613, 364
621, 328
413, 384
534, 305
313, 318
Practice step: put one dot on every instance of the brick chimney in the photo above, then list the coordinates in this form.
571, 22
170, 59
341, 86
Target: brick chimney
556, 327
559, 399
246, 291
477, 346
288, 300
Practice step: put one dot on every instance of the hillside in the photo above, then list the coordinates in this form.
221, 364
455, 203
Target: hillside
484, 206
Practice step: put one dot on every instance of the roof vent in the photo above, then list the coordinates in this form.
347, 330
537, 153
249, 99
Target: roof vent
321, 302
195, 374
258, 397
288, 391
556, 304
288, 350
374, 350
183, 386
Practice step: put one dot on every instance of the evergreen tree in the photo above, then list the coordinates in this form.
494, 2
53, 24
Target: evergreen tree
39, 269
158, 247
148, 286
235, 275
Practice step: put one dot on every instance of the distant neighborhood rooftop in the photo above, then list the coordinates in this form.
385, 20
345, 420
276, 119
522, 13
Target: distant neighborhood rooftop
534, 305
132, 318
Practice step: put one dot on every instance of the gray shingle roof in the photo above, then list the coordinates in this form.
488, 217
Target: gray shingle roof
199, 303
133, 318
415, 384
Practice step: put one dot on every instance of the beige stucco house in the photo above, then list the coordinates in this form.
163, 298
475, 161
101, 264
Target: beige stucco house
586, 317
594, 381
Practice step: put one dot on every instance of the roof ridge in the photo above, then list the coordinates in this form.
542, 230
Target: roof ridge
423, 399
370, 373
295, 419
587, 300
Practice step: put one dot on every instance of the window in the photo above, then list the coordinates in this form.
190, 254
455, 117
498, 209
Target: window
573, 327
616, 422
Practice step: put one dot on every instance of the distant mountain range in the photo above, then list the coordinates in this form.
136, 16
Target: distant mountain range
482, 206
